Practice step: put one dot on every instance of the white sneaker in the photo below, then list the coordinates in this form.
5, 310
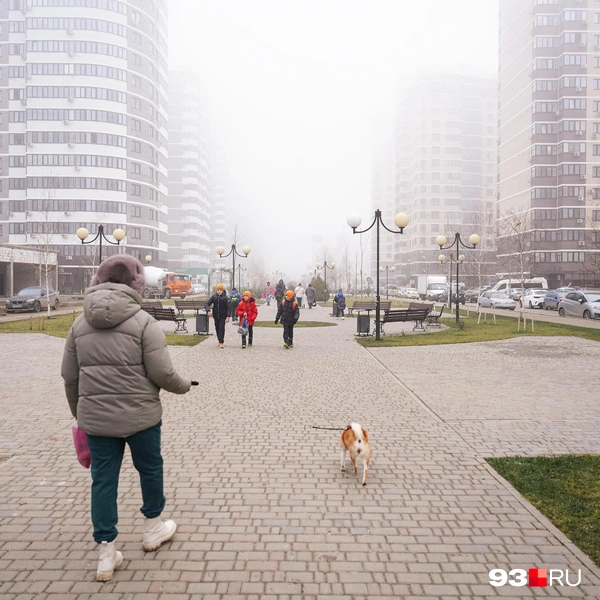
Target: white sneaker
157, 531
110, 560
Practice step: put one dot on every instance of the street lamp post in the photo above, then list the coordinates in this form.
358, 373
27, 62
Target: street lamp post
401, 221
387, 287
240, 269
233, 252
325, 267
82, 233
441, 240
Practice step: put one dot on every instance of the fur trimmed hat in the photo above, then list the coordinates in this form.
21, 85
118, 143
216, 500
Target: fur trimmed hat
289, 294
220, 286
121, 268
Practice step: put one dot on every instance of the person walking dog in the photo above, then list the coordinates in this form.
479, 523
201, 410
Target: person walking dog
221, 311
114, 365
247, 309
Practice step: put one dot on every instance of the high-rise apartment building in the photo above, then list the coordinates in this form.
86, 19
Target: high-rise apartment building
83, 137
445, 172
190, 247
549, 119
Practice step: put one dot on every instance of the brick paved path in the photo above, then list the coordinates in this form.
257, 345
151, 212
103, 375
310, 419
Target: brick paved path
263, 511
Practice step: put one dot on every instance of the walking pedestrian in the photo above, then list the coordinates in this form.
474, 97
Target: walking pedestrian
299, 291
247, 309
288, 313
114, 365
340, 300
268, 293
234, 298
311, 295
221, 311
279, 292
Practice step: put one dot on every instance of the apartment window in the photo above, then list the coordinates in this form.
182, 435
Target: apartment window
136, 125
136, 233
137, 60
574, 15
136, 104
136, 168
136, 211
136, 38
136, 190
136, 147
136, 81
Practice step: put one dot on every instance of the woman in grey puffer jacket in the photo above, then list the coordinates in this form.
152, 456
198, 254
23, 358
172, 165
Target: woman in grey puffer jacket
114, 365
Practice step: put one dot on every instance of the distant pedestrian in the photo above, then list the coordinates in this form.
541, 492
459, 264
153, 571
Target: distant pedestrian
279, 291
247, 309
234, 298
114, 365
340, 300
268, 293
288, 313
299, 291
221, 311
311, 295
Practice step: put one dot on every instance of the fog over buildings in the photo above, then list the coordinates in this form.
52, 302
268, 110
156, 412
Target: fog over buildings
296, 94
192, 124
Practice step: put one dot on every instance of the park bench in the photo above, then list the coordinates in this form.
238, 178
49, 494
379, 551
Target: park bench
434, 316
369, 305
148, 305
403, 315
168, 314
196, 305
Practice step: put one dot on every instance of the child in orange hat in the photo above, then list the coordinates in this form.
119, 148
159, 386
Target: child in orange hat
247, 309
289, 313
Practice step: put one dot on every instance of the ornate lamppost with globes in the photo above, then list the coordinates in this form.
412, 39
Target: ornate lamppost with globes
325, 267
441, 241
401, 220
82, 233
387, 287
233, 252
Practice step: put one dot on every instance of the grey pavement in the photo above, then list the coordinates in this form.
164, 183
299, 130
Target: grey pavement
264, 512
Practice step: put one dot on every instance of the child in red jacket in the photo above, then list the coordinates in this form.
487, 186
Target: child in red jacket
247, 309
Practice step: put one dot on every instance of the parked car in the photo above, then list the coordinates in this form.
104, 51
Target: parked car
198, 289
32, 298
471, 295
533, 298
461, 297
411, 293
581, 303
553, 297
496, 300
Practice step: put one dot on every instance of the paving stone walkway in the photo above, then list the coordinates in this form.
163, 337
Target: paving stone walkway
264, 512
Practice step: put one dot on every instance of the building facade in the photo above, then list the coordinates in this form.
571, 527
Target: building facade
83, 137
548, 151
445, 171
189, 238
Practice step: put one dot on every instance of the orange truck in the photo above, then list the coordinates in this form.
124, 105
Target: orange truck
164, 284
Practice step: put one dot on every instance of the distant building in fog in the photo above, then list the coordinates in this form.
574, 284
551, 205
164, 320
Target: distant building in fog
190, 247
444, 171
549, 122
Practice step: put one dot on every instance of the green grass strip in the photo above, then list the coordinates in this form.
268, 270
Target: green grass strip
566, 489
59, 327
469, 331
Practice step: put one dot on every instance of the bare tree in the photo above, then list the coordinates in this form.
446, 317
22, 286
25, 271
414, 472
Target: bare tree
515, 235
481, 262
44, 239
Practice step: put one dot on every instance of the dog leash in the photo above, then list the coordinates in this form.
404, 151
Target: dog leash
331, 428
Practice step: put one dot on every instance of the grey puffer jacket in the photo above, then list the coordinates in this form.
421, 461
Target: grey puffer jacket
115, 363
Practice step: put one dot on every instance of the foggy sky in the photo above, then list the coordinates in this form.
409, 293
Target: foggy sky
295, 89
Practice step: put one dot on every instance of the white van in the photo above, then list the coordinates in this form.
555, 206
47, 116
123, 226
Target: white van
512, 287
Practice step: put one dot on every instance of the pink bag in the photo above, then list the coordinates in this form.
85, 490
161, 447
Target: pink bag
81, 447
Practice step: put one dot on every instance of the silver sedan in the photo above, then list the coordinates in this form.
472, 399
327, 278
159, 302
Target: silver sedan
496, 300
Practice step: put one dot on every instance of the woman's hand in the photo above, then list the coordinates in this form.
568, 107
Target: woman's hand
227, 320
